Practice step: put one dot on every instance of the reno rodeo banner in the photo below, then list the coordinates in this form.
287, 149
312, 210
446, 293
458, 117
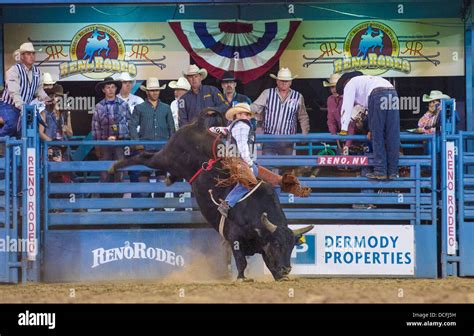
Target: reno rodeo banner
74, 51
432, 47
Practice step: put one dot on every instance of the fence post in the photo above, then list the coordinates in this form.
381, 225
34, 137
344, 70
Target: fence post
31, 196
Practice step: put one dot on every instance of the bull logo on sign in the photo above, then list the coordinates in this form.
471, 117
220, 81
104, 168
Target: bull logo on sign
368, 41
95, 45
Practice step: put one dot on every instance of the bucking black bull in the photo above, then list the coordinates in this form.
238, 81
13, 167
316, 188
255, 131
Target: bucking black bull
255, 225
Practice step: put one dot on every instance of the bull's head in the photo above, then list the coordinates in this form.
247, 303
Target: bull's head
210, 117
279, 242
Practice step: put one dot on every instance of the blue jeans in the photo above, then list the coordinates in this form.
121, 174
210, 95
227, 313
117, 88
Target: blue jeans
239, 191
384, 123
10, 115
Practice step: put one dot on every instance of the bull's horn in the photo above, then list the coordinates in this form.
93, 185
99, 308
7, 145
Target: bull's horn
302, 231
268, 225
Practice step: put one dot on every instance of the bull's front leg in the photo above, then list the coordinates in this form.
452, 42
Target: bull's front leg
240, 261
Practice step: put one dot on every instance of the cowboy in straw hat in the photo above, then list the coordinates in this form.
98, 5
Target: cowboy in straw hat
427, 123
280, 108
126, 91
180, 87
228, 84
199, 97
153, 117
240, 133
23, 83
371, 92
334, 104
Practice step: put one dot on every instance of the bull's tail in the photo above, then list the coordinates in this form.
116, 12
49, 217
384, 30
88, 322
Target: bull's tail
143, 158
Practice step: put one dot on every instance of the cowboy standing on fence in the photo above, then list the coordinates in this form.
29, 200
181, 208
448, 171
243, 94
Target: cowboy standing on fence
24, 82
371, 92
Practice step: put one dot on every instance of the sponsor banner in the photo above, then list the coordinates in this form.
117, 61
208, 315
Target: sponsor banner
347, 160
356, 250
93, 51
423, 47
451, 198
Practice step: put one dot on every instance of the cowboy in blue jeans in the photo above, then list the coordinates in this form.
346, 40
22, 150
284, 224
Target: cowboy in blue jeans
377, 95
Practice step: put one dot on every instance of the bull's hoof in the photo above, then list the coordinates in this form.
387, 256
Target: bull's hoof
284, 278
242, 280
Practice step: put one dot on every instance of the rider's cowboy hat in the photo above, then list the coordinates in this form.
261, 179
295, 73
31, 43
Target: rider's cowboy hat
342, 81
239, 108
435, 95
194, 70
152, 83
182, 84
48, 79
332, 80
284, 75
108, 80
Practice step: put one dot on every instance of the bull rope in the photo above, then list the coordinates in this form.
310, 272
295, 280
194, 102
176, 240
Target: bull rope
222, 221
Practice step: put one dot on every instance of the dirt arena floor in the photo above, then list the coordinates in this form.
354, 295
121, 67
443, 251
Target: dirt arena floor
299, 290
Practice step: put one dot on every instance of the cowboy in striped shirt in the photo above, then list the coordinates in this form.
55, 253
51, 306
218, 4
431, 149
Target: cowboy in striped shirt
281, 108
23, 84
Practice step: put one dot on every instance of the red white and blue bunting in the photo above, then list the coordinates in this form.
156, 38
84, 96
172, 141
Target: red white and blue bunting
249, 49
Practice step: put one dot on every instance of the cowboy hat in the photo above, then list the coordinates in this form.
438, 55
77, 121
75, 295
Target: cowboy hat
152, 83
48, 79
239, 108
284, 74
193, 70
332, 80
435, 95
57, 89
228, 77
341, 82
125, 77
108, 80
181, 84
27, 47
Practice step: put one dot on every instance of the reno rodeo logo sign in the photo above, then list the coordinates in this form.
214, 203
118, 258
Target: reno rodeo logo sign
373, 46
97, 51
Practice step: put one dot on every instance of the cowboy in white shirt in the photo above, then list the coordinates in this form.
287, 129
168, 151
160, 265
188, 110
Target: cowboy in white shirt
384, 120
180, 88
24, 82
125, 92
